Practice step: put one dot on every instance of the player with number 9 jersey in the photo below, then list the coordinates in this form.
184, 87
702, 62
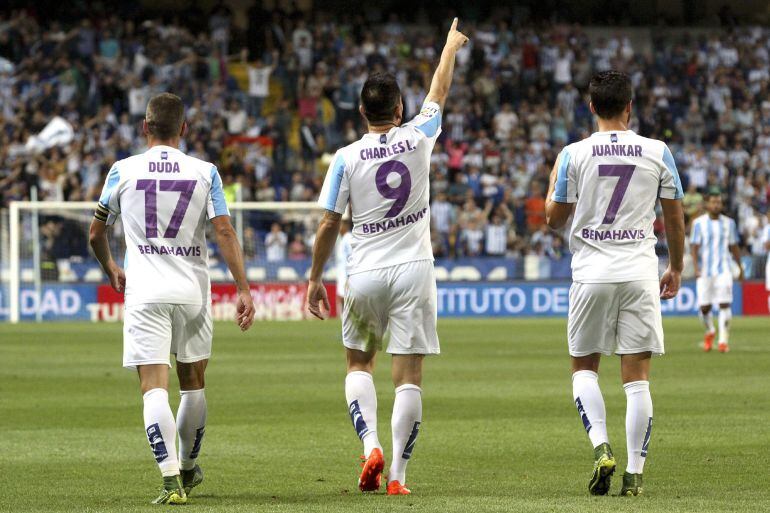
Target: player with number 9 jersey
384, 179
381, 167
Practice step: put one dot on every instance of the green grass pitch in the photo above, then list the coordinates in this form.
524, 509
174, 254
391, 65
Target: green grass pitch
500, 430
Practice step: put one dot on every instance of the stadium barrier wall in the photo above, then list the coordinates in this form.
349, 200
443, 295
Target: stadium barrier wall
285, 301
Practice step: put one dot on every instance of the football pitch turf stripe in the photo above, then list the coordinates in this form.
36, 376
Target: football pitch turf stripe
500, 434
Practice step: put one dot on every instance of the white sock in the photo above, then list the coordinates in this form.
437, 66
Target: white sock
590, 405
405, 423
725, 316
638, 424
707, 320
161, 430
191, 425
362, 407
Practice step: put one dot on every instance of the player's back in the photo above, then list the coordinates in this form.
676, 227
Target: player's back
164, 198
385, 177
615, 178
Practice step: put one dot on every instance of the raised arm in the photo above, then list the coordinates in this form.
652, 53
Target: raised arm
673, 218
326, 237
442, 78
231, 252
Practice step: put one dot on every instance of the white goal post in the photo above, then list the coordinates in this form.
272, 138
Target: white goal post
24, 235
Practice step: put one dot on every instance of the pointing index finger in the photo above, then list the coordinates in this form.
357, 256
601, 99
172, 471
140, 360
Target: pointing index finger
454, 24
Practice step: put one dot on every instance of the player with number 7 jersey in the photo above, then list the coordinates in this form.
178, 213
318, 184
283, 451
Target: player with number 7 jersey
165, 199
384, 179
612, 181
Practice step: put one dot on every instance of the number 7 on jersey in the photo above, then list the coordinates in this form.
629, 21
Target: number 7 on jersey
623, 172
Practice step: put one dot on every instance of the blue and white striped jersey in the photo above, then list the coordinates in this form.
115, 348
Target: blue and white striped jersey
714, 238
164, 198
384, 177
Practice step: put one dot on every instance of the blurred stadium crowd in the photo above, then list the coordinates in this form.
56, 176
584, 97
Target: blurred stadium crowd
271, 106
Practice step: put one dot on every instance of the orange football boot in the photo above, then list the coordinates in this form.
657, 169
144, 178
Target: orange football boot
396, 488
371, 473
723, 348
708, 341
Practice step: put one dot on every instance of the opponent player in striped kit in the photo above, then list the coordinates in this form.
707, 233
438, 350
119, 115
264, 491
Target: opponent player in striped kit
391, 285
612, 181
713, 239
164, 199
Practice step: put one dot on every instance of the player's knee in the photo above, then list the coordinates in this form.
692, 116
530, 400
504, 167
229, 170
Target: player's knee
191, 375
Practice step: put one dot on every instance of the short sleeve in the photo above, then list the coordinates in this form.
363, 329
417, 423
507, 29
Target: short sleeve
108, 208
336, 188
216, 206
670, 184
696, 237
565, 188
428, 121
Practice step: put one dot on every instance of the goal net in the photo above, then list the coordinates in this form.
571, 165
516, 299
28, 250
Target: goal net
49, 273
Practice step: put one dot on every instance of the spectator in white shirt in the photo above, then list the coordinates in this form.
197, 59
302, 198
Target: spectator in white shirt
275, 244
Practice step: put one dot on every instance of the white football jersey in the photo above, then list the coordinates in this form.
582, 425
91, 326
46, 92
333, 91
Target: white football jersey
385, 179
164, 198
615, 178
714, 238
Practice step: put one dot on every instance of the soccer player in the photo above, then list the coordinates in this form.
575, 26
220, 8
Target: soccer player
611, 181
164, 198
713, 236
391, 285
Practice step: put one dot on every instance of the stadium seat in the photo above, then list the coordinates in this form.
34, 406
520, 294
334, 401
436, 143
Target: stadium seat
256, 274
499, 273
465, 273
287, 274
441, 273
93, 275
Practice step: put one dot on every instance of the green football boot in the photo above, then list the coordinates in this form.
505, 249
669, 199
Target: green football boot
632, 485
604, 467
172, 492
192, 478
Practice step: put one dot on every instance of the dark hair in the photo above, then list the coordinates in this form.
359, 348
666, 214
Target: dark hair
165, 116
610, 92
714, 191
379, 97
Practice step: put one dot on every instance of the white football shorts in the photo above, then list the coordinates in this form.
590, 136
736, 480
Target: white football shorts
715, 289
153, 331
619, 318
399, 298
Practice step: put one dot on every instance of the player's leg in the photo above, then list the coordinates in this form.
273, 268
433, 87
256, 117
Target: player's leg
635, 371
413, 334
362, 330
146, 347
705, 293
161, 430
191, 420
640, 335
591, 333
724, 297
407, 417
191, 342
